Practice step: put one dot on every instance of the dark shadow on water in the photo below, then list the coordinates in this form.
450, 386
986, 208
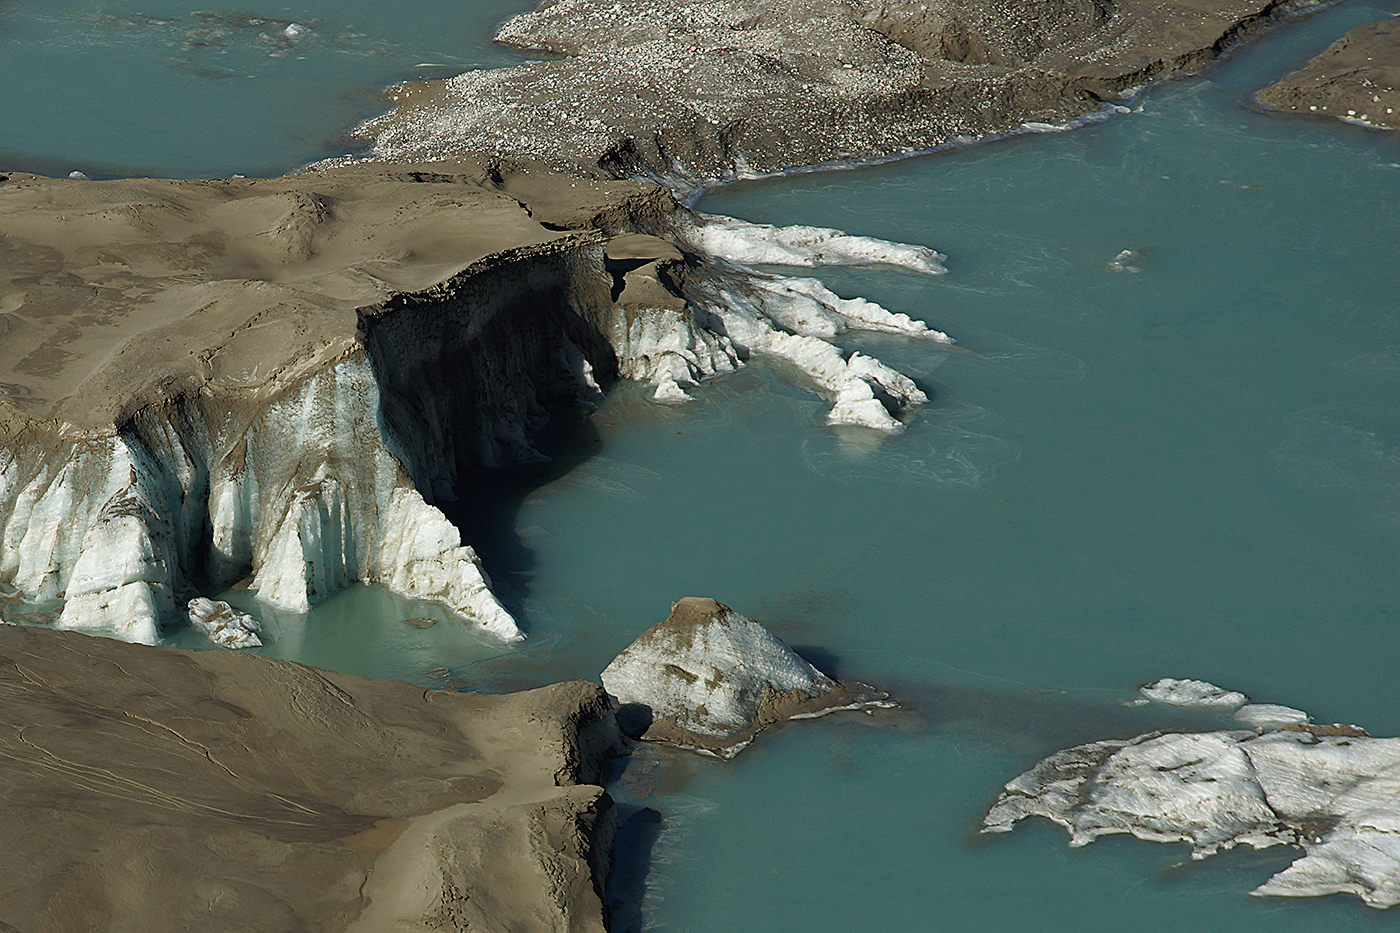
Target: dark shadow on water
488, 501
634, 719
638, 828
823, 660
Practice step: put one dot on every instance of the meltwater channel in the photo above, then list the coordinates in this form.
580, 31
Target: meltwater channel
1167, 444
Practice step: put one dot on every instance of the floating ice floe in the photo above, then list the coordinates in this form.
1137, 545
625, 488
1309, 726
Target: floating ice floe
1125, 261
1332, 791
1270, 715
1193, 694
222, 624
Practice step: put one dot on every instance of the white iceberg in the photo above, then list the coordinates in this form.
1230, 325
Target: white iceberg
222, 624
1192, 694
709, 679
1332, 791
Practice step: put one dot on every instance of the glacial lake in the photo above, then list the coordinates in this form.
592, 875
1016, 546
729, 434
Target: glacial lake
1185, 466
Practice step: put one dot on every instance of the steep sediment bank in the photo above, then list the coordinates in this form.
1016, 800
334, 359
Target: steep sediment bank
254, 794
1355, 80
709, 89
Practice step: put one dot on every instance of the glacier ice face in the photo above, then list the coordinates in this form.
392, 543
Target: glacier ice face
668, 349
304, 498
93, 529
1332, 791
314, 521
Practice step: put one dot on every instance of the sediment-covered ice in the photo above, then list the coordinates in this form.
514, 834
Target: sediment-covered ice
709, 678
798, 245
222, 624
1332, 791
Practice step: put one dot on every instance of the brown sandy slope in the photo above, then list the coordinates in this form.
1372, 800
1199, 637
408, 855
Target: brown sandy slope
1356, 79
147, 789
117, 294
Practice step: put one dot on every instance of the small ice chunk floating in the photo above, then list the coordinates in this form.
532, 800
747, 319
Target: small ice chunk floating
709, 679
222, 624
1331, 790
1192, 694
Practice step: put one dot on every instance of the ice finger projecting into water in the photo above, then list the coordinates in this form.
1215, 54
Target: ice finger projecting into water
795, 319
1332, 791
797, 245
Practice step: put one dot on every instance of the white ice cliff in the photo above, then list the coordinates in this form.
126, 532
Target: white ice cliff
305, 499
1332, 791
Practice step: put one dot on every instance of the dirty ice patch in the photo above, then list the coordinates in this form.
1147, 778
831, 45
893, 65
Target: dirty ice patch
222, 624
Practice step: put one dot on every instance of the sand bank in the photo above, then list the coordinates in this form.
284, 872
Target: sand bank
154, 789
1354, 80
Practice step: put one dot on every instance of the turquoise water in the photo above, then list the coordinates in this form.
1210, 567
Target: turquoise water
170, 88
1189, 470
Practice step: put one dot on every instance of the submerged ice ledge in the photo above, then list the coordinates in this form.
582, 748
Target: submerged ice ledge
1332, 791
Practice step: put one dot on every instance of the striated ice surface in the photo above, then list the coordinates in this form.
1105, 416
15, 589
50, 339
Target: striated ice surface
797, 245
795, 320
1332, 791
222, 624
670, 350
304, 500
1195, 694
